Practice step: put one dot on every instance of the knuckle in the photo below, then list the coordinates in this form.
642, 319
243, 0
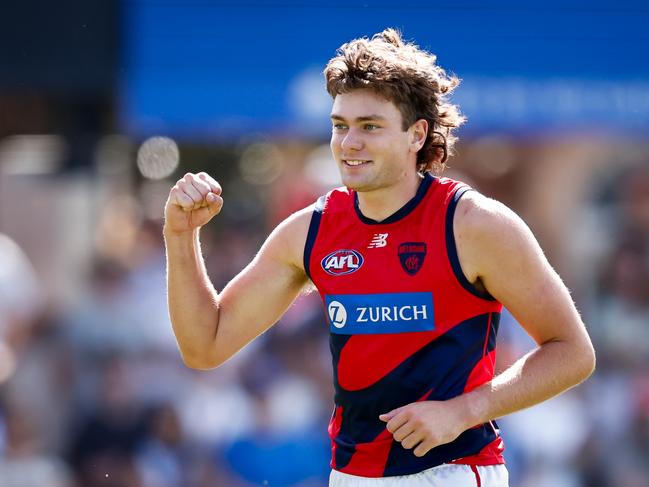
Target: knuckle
199, 188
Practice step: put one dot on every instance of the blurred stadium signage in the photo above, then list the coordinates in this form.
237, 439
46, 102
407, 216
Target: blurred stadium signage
212, 69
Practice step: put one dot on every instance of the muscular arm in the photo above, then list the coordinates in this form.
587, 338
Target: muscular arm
498, 252
210, 326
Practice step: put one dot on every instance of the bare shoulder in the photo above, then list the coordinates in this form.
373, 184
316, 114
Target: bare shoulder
488, 233
288, 239
480, 215
498, 253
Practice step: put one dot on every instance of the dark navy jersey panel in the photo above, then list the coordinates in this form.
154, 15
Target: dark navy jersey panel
313, 232
452, 249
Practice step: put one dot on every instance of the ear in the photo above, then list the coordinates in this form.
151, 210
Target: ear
418, 132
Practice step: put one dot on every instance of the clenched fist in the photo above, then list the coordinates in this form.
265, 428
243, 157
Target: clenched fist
192, 202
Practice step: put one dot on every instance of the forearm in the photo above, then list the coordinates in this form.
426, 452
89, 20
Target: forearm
539, 375
192, 300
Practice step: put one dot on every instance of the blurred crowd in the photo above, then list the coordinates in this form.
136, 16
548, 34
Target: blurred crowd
93, 391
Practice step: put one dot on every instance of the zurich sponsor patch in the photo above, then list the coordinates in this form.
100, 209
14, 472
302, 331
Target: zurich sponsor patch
342, 262
365, 314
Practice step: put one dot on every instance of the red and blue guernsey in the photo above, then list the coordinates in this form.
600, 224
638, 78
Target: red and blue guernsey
405, 326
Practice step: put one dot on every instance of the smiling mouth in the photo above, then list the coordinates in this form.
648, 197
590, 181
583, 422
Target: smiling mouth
355, 162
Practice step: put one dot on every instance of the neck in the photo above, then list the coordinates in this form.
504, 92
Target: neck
380, 203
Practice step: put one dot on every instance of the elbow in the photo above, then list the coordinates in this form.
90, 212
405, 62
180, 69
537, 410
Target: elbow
200, 361
588, 362
592, 364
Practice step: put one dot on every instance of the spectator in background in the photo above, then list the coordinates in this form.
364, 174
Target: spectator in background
634, 196
162, 456
29, 423
622, 315
617, 395
24, 459
21, 298
107, 434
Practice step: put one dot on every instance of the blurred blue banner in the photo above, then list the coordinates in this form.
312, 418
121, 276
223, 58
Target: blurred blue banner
201, 69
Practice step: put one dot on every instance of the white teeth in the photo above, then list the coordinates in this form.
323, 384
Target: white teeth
354, 162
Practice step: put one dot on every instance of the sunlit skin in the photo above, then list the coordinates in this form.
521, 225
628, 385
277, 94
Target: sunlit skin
375, 156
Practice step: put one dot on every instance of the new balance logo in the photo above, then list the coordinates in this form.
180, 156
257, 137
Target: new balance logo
378, 240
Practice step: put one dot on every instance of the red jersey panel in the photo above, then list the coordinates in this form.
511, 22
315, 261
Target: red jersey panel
405, 326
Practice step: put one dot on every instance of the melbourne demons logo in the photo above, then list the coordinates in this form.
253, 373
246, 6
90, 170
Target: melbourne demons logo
342, 262
411, 255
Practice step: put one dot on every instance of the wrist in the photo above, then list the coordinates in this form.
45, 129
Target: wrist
171, 234
469, 409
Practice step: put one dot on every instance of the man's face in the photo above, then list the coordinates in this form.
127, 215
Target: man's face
368, 143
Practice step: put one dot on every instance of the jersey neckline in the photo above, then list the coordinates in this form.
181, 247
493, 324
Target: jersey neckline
404, 210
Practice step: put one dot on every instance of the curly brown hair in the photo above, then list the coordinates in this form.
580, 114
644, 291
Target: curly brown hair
407, 76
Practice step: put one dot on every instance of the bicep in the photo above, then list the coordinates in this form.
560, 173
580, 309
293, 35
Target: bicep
260, 294
509, 262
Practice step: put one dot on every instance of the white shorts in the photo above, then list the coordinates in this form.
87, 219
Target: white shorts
447, 475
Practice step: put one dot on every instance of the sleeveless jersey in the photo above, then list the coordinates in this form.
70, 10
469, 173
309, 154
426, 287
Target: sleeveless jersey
405, 326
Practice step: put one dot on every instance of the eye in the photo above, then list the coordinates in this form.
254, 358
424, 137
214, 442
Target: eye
338, 126
370, 127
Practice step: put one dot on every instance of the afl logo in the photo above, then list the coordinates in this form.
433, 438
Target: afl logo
342, 262
337, 314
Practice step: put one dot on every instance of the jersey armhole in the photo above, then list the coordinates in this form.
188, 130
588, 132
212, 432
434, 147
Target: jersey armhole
451, 247
314, 226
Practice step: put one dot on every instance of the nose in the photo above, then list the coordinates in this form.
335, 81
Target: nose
351, 141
